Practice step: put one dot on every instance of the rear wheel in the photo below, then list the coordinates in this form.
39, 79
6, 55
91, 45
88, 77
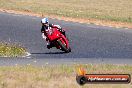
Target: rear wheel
63, 47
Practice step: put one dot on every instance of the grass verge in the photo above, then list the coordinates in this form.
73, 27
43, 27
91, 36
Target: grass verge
61, 76
88, 10
11, 50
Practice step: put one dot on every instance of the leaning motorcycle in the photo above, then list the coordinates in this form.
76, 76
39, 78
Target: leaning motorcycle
57, 39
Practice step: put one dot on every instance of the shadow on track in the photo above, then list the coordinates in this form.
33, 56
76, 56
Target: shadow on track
49, 53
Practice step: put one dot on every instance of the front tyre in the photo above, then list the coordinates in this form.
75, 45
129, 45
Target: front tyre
63, 47
69, 49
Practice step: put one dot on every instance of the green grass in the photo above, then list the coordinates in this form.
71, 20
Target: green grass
58, 76
11, 50
113, 10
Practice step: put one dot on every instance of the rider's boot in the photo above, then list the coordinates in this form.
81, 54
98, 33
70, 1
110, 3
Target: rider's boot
49, 45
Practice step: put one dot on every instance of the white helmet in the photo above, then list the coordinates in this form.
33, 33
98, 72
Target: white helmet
45, 20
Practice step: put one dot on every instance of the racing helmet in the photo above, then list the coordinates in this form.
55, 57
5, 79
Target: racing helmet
44, 20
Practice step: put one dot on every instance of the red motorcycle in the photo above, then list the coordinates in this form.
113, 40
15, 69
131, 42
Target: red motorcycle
57, 39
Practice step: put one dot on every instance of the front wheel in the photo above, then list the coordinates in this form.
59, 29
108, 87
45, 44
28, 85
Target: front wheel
69, 49
63, 47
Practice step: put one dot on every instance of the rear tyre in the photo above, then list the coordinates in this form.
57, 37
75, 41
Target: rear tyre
63, 47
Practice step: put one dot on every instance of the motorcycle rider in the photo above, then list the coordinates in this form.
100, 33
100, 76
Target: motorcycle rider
45, 26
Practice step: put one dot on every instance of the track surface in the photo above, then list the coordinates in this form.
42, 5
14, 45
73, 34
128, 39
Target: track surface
89, 43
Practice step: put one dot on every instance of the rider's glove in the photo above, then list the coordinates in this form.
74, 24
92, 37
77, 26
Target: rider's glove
43, 36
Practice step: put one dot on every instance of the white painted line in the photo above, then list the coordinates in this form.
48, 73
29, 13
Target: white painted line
27, 55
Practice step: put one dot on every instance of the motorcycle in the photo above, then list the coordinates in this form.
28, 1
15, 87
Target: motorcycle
57, 39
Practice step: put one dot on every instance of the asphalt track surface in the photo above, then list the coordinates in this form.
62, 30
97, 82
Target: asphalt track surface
89, 43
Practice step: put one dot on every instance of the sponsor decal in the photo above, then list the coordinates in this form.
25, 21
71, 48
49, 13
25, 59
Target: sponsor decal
83, 78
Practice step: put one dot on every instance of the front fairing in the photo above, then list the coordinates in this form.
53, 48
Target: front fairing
53, 34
